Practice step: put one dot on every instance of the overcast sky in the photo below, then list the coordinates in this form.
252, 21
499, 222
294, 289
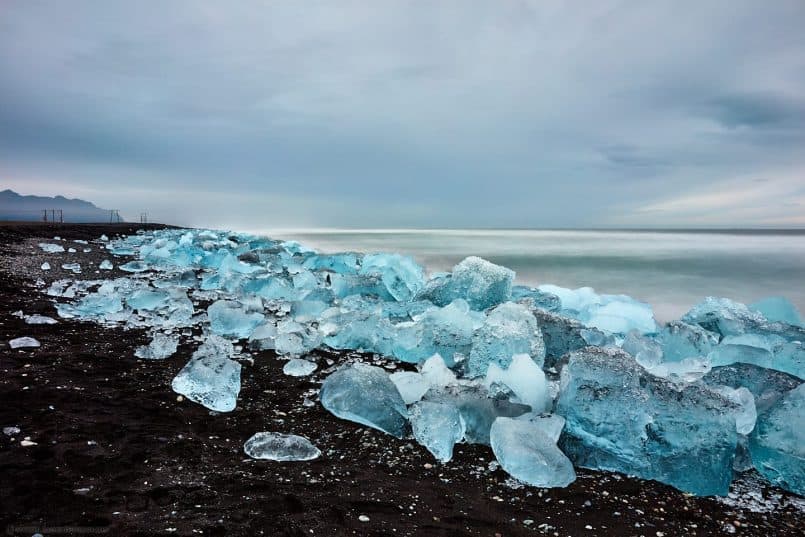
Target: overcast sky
380, 113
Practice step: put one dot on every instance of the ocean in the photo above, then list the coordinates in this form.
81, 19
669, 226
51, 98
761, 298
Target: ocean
671, 270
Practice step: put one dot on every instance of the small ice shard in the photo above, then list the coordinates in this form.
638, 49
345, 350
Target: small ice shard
280, 447
75, 268
71, 250
621, 418
103, 238
24, 343
106, 265
777, 444
508, 329
162, 346
134, 266
11, 431
438, 427
229, 318
525, 379
51, 248
778, 309
211, 378
45, 266
526, 449
87, 250
40, 319
481, 283
401, 275
296, 367
364, 394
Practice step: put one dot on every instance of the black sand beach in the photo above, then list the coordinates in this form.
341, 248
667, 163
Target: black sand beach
116, 452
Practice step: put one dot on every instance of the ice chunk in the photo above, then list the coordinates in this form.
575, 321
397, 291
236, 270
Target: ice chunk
45, 266
75, 268
526, 449
211, 378
280, 447
525, 379
51, 248
535, 298
345, 263
621, 418
723, 316
681, 340
620, 314
162, 346
436, 373
103, 238
438, 427
778, 443
40, 319
746, 418
509, 329
560, 335
647, 351
766, 350
145, 299
296, 367
401, 275
687, 370
106, 265
411, 385
364, 394
229, 318
481, 283
24, 343
778, 309
71, 250
134, 266
446, 331
766, 385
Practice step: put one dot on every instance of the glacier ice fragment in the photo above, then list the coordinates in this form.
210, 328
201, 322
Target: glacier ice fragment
106, 265
211, 378
51, 248
525, 379
508, 329
24, 343
778, 309
296, 367
45, 266
280, 447
229, 318
364, 394
437, 426
39, 319
161, 346
481, 283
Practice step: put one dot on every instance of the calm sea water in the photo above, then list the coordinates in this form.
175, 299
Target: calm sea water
671, 270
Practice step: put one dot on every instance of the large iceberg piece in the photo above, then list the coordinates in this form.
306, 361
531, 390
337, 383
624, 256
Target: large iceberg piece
778, 442
280, 447
438, 427
508, 329
526, 448
481, 283
364, 394
211, 378
621, 418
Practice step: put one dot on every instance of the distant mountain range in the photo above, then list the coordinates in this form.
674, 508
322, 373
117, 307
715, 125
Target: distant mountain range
16, 207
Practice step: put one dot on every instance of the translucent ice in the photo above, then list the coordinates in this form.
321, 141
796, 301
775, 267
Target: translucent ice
621, 418
536, 299
508, 329
747, 416
525, 379
75, 268
481, 283
296, 367
681, 340
51, 248
446, 331
106, 265
364, 394
280, 447
411, 385
229, 318
134, 266
778, 309
211, 378
526, 449
766, 385
39, 319
401, 275
162, 346
23, 343
145, 299
45, 266
438, 427
778, 443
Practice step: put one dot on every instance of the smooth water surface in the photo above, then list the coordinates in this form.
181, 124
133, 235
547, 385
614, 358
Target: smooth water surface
671, 270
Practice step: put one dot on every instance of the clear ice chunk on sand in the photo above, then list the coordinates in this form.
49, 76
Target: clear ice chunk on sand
24, 343
297, 367
51, 248
106, 265
437, 426
280, 447
230, 318
211, 378
364, 394
161, 346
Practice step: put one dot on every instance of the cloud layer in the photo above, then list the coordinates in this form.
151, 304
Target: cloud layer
407, 113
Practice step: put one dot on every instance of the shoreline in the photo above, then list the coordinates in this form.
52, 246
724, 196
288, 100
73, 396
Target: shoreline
115, 449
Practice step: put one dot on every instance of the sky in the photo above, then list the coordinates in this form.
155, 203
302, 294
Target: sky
389, 114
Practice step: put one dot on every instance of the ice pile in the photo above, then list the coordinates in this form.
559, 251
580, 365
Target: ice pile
550, 378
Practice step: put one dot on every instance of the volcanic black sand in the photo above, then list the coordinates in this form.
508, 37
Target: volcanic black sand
115, 450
